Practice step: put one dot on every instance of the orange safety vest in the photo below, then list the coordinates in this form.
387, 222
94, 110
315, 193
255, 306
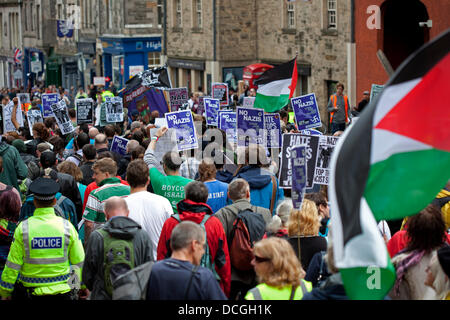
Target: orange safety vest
334, 101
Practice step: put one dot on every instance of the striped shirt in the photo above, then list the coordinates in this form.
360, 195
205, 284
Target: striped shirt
108, 188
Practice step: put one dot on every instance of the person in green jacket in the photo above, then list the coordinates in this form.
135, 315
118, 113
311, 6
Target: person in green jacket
171, 185
12, 167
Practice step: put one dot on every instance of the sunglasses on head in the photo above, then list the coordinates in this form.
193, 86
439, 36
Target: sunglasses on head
260, 259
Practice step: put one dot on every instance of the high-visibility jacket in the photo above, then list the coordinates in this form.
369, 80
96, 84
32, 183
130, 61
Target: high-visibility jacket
334, 102
105, 94
43, 249
265, 292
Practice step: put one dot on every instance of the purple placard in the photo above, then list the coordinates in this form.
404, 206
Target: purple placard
183, 123
212, 108
298, 163
227, 123
273, 130
119, 145
250, 123
177, 97
47, 100
306, 112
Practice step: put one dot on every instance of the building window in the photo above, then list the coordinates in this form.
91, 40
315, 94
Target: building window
332, 14
154, 59
290, 15
178, 13
198, 11
160, 13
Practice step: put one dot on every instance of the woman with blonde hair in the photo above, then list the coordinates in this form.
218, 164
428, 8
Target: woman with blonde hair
303, 230
278, 271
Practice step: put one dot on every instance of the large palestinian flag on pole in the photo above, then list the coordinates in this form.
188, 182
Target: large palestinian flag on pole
276, 86
390, 164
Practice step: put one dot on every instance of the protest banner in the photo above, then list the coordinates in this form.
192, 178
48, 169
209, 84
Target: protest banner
220, 91
177, 97
306, 111
375, 91
227, 123
248, 102
298, 164
8, 126
272, 124
103, 115
47, 100
322, 171
250, 126
166, 143
84, 110
114, 109
289, 141
99, 81
212, 107
34, 116
119, 145
59, 110
24, 100
201, 105
311, 132
183, 123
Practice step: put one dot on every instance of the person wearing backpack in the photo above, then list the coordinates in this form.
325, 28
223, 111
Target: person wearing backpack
113, 249
242, 279
181, 277
194, 208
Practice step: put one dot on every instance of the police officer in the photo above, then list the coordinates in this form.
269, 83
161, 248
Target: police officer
43, 250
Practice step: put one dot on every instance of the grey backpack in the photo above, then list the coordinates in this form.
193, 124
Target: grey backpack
132, 285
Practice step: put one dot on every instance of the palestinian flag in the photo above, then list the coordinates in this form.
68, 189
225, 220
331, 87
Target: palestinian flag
389, 165
276, 86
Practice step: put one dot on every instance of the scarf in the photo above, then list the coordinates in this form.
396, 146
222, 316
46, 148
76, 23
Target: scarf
410, 261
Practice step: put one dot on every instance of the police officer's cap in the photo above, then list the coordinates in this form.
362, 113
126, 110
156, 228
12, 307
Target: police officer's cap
44, 189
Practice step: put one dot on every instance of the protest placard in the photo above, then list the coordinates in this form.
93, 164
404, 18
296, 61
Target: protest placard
322, 171
166, 143
250, 126
298, 164
177, 97
212, 107
47, 100
375, 91
23, 97
248, 102
289, 141
99, 81
84, 109
272, 124
311, 132
114, 109
8, 126
59, 110
227, 123
201, 104
119, 145
220, 91
306, 111
183, 123
160, 122
34, 116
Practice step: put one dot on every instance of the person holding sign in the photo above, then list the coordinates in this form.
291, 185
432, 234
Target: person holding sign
170, 186
338, 107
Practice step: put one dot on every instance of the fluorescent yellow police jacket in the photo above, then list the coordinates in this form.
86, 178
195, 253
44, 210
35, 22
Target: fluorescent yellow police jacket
43, 249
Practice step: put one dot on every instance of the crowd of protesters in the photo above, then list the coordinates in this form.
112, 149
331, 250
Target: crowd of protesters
184, 213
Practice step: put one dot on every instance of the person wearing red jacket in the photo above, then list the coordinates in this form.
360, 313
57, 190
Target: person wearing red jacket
194, 208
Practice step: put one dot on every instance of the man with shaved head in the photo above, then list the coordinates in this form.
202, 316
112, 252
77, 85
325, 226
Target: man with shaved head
119, 227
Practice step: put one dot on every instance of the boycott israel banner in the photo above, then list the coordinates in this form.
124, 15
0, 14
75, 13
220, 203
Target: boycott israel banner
34, 116
220, 91
48, 100
84, 110
119, 145
289, 141
114, 109
250, 124
8, 126
183, 124
177, 97
306, 112
227, 123
212, 107
298, 165
322, 171
59, 109
272, 124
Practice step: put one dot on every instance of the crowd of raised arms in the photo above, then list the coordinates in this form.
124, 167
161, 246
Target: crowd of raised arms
76, 219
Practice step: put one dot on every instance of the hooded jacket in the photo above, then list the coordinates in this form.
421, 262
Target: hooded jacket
217, 241
120, 228
331, 289
260, 182
13, 167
